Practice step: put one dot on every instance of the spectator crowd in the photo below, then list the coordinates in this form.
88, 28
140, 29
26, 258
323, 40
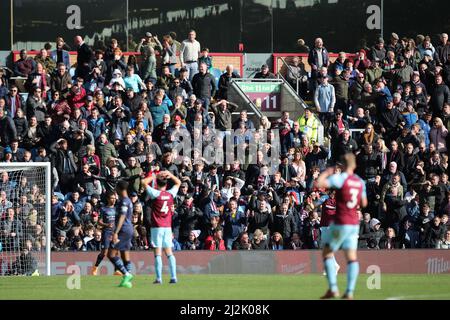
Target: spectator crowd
117, 118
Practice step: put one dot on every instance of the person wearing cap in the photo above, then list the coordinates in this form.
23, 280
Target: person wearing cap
378, 50
429, 61
60, 245
394, 44
324, 100
192, 243
265, 73
361, 62
374, 72
403, 73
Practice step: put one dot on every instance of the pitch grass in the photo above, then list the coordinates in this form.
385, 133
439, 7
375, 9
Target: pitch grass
221, 287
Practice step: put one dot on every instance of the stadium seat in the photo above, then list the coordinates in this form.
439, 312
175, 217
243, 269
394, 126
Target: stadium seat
216, 73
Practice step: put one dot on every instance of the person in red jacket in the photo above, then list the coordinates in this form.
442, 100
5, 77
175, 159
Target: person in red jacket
216, 242
77, 95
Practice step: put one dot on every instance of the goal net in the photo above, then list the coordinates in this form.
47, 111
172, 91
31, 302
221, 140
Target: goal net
25, 199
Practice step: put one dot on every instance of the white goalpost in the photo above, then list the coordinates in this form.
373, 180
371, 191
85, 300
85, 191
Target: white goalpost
25, 218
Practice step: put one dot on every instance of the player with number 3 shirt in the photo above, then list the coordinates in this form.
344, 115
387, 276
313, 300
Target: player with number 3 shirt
344, 231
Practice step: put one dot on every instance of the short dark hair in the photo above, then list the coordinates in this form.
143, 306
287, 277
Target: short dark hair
161, 182
122, 185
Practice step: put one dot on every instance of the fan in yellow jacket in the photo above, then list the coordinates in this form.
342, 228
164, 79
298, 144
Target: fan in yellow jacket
309, 125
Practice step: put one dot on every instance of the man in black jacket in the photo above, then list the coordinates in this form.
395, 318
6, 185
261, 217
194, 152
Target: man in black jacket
391, 122
204, 85
65, 165
439, 96
84, 58
284, 223
368, 163
396, 209
8, 131
224, 82
189, 218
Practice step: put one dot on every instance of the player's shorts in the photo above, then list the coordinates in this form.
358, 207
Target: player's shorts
341, 237
107, 239
125, 237
161, 237
324, 235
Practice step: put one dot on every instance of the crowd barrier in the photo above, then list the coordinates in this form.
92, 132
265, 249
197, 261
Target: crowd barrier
220, 60
264, 262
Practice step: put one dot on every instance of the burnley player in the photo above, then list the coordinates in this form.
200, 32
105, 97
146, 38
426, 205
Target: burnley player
123, 235
344, 231
107, 221
162, 201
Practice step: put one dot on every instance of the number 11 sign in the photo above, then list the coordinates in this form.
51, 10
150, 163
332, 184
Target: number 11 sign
266, 96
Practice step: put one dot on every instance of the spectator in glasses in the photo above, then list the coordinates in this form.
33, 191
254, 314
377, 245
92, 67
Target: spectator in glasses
14, 101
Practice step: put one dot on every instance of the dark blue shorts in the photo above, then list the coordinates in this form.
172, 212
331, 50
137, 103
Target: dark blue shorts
107, 239
125, 237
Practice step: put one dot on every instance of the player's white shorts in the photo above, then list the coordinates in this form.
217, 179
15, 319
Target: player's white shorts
341, 237
161, 237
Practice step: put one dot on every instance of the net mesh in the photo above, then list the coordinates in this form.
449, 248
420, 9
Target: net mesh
23, 221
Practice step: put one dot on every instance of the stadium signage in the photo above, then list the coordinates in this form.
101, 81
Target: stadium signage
266, 96
436, 265
268, 262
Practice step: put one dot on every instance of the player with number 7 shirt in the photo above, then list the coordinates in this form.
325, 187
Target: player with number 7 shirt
162, 206
344, 230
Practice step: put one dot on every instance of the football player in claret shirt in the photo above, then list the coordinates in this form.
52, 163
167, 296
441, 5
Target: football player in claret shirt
108, 223
344, 230
162, 204
123, 234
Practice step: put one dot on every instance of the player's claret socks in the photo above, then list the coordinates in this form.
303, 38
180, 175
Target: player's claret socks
172, 268
330, 268
119, 265
158, 268
352, 276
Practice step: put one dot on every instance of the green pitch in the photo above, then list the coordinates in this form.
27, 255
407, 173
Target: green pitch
207, 287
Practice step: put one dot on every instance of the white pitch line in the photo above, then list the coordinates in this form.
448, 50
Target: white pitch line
419, 296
